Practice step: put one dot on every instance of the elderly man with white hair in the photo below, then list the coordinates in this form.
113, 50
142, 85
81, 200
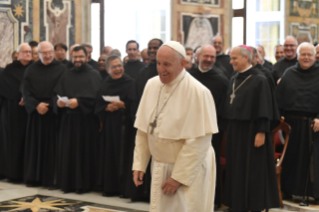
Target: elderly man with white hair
290, 59
13, 114
39, 80
250, 110
177, 134
298, 100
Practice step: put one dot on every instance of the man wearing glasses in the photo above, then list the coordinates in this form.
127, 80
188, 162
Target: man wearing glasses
14, 115
41, 137
290, 59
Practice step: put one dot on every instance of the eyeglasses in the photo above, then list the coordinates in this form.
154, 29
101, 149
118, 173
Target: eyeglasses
46, 53
26, 52
289, 45
306, 55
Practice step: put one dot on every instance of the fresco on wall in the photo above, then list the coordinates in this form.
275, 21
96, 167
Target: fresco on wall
212, 3
304, 8
57, 24
303, 32
198, 30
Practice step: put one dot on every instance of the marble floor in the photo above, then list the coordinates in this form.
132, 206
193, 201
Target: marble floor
18, 197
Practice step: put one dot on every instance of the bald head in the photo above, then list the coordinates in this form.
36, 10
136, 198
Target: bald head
107, 50
145, 56
218, 43
207, 57
306, 55
170, 63
290, 47
46, 51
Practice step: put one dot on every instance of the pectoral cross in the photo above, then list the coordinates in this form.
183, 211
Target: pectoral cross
232, 96
153, 125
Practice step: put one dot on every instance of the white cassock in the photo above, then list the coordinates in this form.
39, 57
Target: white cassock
180, 145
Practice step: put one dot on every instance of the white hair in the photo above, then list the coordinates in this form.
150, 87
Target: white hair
22, 44
39, 45
306, 44
244, 52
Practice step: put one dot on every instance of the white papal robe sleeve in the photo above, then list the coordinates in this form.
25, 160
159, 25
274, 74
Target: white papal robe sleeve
142, 153
190, 159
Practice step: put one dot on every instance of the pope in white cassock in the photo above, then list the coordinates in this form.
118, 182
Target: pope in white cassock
175, 120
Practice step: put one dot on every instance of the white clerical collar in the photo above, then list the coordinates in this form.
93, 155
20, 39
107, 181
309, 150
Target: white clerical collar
201, 70
178, 78
246, 69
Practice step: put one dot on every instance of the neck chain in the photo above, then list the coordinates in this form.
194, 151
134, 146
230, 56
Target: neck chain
232, 96
154, 123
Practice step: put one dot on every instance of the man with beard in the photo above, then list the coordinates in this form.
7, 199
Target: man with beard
102, 66
279, 52
38, 83
77, 149
298, 100
216, 82
89, 50
250, 108
261, 51
290, 59
13, 114
222, 60
117, 124
141, 193
60, 50
145, 57
133, 65
255, 54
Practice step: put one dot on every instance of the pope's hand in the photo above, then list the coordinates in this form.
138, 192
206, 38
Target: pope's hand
138, 177
259, 139
170, 186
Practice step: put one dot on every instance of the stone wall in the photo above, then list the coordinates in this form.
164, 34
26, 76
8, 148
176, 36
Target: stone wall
52, 20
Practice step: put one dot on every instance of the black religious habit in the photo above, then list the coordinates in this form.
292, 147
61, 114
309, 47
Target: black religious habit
78, 138
267, 64
94, 64
67, 63
13, 120
298, 100
132, 68
104, 74
280, 67
250, 183
217, 83
117, 126
223, 61
266, 72
41, 137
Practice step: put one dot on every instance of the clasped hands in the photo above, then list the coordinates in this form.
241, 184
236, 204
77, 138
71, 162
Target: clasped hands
72, 104
170, 186
114, 106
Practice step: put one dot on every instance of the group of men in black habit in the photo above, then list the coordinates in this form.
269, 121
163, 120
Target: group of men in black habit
59, 128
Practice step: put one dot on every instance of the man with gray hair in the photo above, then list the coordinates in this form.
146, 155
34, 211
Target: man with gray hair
298, 100
38, 83
177, 135
250, 108
290, 59
13, 114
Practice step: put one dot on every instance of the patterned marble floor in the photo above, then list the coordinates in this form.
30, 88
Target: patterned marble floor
18, 197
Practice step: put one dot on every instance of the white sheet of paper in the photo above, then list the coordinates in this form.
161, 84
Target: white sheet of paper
111, 98
64, 99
